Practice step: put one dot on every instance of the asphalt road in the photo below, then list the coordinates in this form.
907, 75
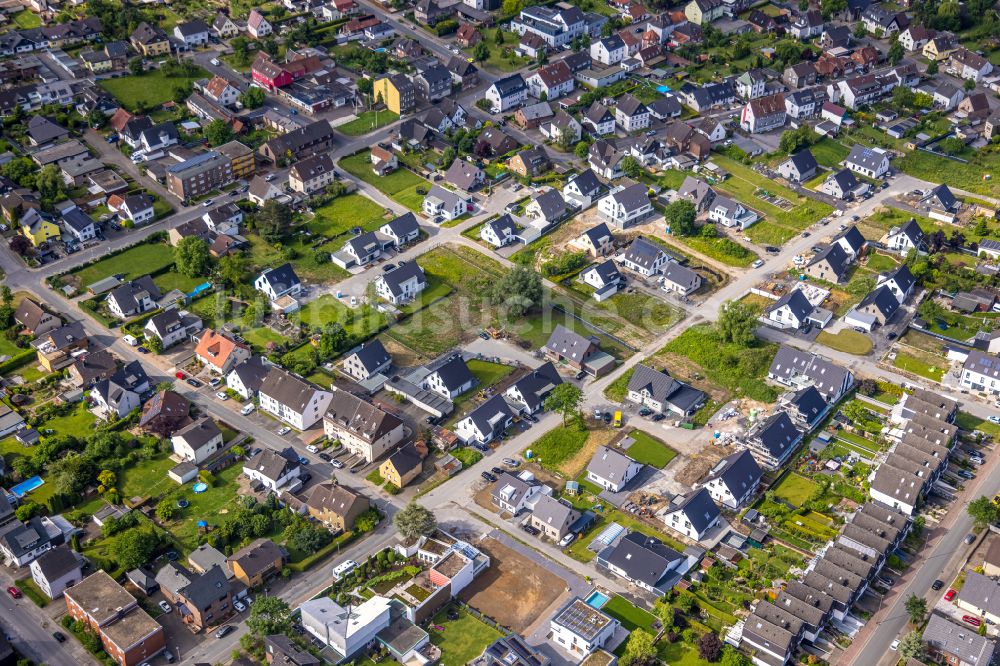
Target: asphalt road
30, 629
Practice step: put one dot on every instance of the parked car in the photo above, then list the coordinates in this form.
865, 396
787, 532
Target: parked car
970, 538
248, 408
14, 592
971, 619
937, 584
489, 477
180, 375
222, 395
757, 264
215, 381
284, 430
224, 630
239, 606
325, 457
949, 595
59, 636
533, 531
894, 645
567, 540
312, 448
191, 381
165, 606
337, 464
510, 462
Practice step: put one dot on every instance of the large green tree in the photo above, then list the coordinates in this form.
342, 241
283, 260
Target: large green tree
564, 399
519, 291
253, 97
219, 132
269, 615
134, 547
737, 323
916, 609
414, 520
273, 221
192, 257
639, 650
911, 646
983, 512
680, 216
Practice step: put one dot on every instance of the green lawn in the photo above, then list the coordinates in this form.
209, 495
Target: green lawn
360, 322
461, 640
311, 264
26, 19
366, 122
631, 616
967, 176
502, 57
910, 363
558, 445
149, 90
649, 450
344, 213
76, 423
721, 249
829, 153
488, 373
796, 489
880, 262
967, 421
847, 341
727, 365
134, 262
401, 185
173, 280
779, 225
261, 336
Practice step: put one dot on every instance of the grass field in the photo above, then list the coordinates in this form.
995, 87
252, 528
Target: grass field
649, 450
26, 19
496, 59
174, 280
558, 445
796, 489
149, 90
137, 261
829, 153
721, 249
311, 264
967, 421
401, 185
779, 225
631, 616
461, 640
366, 122
360, 322
924, 367
967, 176
344, 213
847, 341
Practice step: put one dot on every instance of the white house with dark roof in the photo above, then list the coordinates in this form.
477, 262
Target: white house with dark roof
679, 279
245, 379
956, 643
528, 393
981, 372
444, 203
596, 241
795, 368
839, 184
402, 284
644, 257
771, 441
643, 561
626, 206
553, 517
851, 241
362, 250
870, 162
506, 93
277, 282
134, 298
451, 378
731, 213
486, 421
583, 188
734, 479
499, 232
513, 494
292, 399
631, 114
611, 469
272, 469
610, 50
909, 236
693, 514
56, 570
402, 230
198, 441
899, 281
366, 360
658, 391
697, 192
799, 167
579, 628
604, 278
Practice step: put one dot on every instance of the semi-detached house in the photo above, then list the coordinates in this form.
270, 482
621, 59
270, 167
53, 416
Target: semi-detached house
364, 429
292, 399
626, 206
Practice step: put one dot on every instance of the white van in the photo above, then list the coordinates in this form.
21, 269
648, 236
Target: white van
312, 448
344, 568
248, 408
130, 340
214, 61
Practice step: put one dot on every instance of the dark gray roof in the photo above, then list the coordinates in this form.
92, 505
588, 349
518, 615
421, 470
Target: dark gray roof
883, 299
630, 106
58, 562
289, 390
491, 415
804, 161
642, 558
510, 85
127, 295
405, 459
281, 278
632, 197
778, 435
535, 386
503, 227
588, 184
836, 256
607, 271
403, 225
252, 372
512, 650
643, 252
282, 651
358, 417
699, 508
598, 113
738, 471
658, 383
556, 513
199, 433
372, 355
981, 592
463, 174
851, 235
845, 179
271, 464
569, 343
959, 641
866, 157
398, 276
192, 27
809, 403
551, 204
680, 275
454, 372
902, 276
796, 302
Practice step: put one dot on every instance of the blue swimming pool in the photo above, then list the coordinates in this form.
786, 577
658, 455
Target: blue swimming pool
663, 89
25, 487
597, 599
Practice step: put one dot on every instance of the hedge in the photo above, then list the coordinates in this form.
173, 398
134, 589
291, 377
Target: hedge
15, 362
307, 562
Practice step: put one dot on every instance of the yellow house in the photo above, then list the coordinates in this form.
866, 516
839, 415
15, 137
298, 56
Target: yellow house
703, 12
940, 47
150, 40
402, 466
397, 93
38, 229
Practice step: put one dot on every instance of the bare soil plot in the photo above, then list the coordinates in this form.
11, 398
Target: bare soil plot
514, 590
597, 437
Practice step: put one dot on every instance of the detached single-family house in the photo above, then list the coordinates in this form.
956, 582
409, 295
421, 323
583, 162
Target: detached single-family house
402, 284
277, 282
486, 421
731, 213
292, 399
451, 378
553, 518
445, 204
626, 206
611, 469
658, 391
604, 278
198, 441
499, 232
693, 514
909, 236
582, 189
800, 167
644, 257
734, 479
273, 470
870, 162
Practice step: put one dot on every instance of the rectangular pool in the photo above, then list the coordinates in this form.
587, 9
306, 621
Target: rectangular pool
25, 487
596, 599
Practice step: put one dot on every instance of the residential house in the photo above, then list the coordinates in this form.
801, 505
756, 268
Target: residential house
553, 518
198, 441
799, 167
273, 470
830, 264
128, 634
553, 80
204, 600
364, 429
899, 281
445, 204
34, 319
258, 27
513, 494
464, 175
952, 643
134, 298
580, 629
870, 162
547, 208
150, 41
499, 232
704, 12
530, 162
631, 114
764, 114
751, 84
277, 282
451, 378
57, 348
643, 561
599, 120
218, 352
940, 46
485, 422
611, 469
581, 354
915, 37
528, 393
604, 278
57, 569
23, 543
906, 237
563, 129
292, 399
790, 311
795, 368
165, 413
839, 184
772, 440
731, 213
644, 257
626, 206
582, 189
404, 465
734, 479
336, 506
401, 230
693, 514
680, 279
968, 65
506, 93
256, 562
192, 33
172, 326
367, 360
312, 174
